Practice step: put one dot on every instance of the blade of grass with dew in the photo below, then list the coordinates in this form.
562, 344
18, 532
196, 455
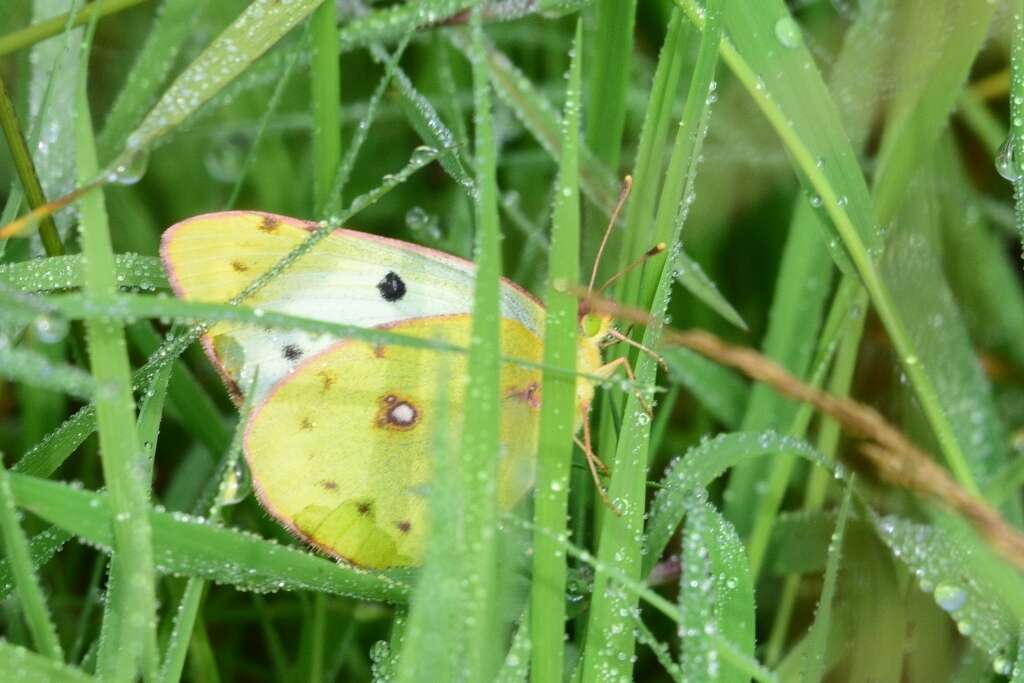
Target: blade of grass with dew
784, 99
678, 189
799, 542
818, 636
480, 437
26, 583
609, 647
610, 47
558, 410
32, 367
262, 24
722, 392
23, 666
640, 211
432, 649
935, 327
990, 293
1014, 145
41, 549
699, 467
115, 418
131, 271
189, 546
325, 77
693, 279
716, 593
173, 22
981, 594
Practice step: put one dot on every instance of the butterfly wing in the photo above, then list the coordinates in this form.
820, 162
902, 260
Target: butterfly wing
341, 450
349, 277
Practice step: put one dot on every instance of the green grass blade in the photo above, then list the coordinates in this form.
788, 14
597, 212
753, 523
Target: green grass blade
692, 277
115, 417
23, 666
171, 26
818, 637
47, 28
558, 409
610, 46
30, 595
1015, 142
325, 76
259, 27
481, 435
36, 369
699, 467
131, 271
189, 546
41, 549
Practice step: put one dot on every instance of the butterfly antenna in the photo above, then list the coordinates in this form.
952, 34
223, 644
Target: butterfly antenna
653, 251
627, 185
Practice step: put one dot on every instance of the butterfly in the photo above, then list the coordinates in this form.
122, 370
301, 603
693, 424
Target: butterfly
339, 442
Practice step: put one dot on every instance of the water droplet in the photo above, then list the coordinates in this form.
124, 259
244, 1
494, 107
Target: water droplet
237, 485
950, 596
49, 329
1006, 164
787, 32
1002, 666
128, 168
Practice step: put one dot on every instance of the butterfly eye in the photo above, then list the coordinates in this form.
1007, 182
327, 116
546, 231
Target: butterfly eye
591, 325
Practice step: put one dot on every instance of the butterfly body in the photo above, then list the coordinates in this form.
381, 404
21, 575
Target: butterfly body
340, 442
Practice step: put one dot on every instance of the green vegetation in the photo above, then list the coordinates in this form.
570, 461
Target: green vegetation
839, 185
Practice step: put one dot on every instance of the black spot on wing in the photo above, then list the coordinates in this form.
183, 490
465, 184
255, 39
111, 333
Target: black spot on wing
291, 352
391, 287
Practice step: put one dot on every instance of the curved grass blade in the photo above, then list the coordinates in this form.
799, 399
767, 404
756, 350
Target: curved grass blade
190, 546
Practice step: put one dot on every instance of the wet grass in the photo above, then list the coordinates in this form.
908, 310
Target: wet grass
831, 186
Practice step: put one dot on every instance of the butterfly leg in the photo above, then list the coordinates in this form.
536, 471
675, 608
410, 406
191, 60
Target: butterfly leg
635, 344
610, 367
593, 462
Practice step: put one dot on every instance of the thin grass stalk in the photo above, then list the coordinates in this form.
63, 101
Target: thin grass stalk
40, 31
611, 52
558, 410
481, 434
325, 75
30, 595
1015, 141
132, 562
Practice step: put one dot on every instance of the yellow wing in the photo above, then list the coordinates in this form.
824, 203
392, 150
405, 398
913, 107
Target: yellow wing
341, 450
349, 277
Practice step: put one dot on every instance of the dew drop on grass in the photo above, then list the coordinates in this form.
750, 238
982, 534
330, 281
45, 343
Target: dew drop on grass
1006, 164
950, 596
787, 32
128, 168
237, 485
49, 329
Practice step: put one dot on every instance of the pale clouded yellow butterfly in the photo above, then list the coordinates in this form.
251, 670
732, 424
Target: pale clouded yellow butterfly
339, 442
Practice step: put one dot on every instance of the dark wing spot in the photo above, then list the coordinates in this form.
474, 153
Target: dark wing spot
364, 507
392, 287
306, 424
329, 485
291, 352
397, 414
239, 267
404, 526
327, 380
269, 225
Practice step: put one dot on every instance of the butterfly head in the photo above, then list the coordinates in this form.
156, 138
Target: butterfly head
593, 326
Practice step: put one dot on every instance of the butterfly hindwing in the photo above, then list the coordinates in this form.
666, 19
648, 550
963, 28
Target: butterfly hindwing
349, 277
341, 450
